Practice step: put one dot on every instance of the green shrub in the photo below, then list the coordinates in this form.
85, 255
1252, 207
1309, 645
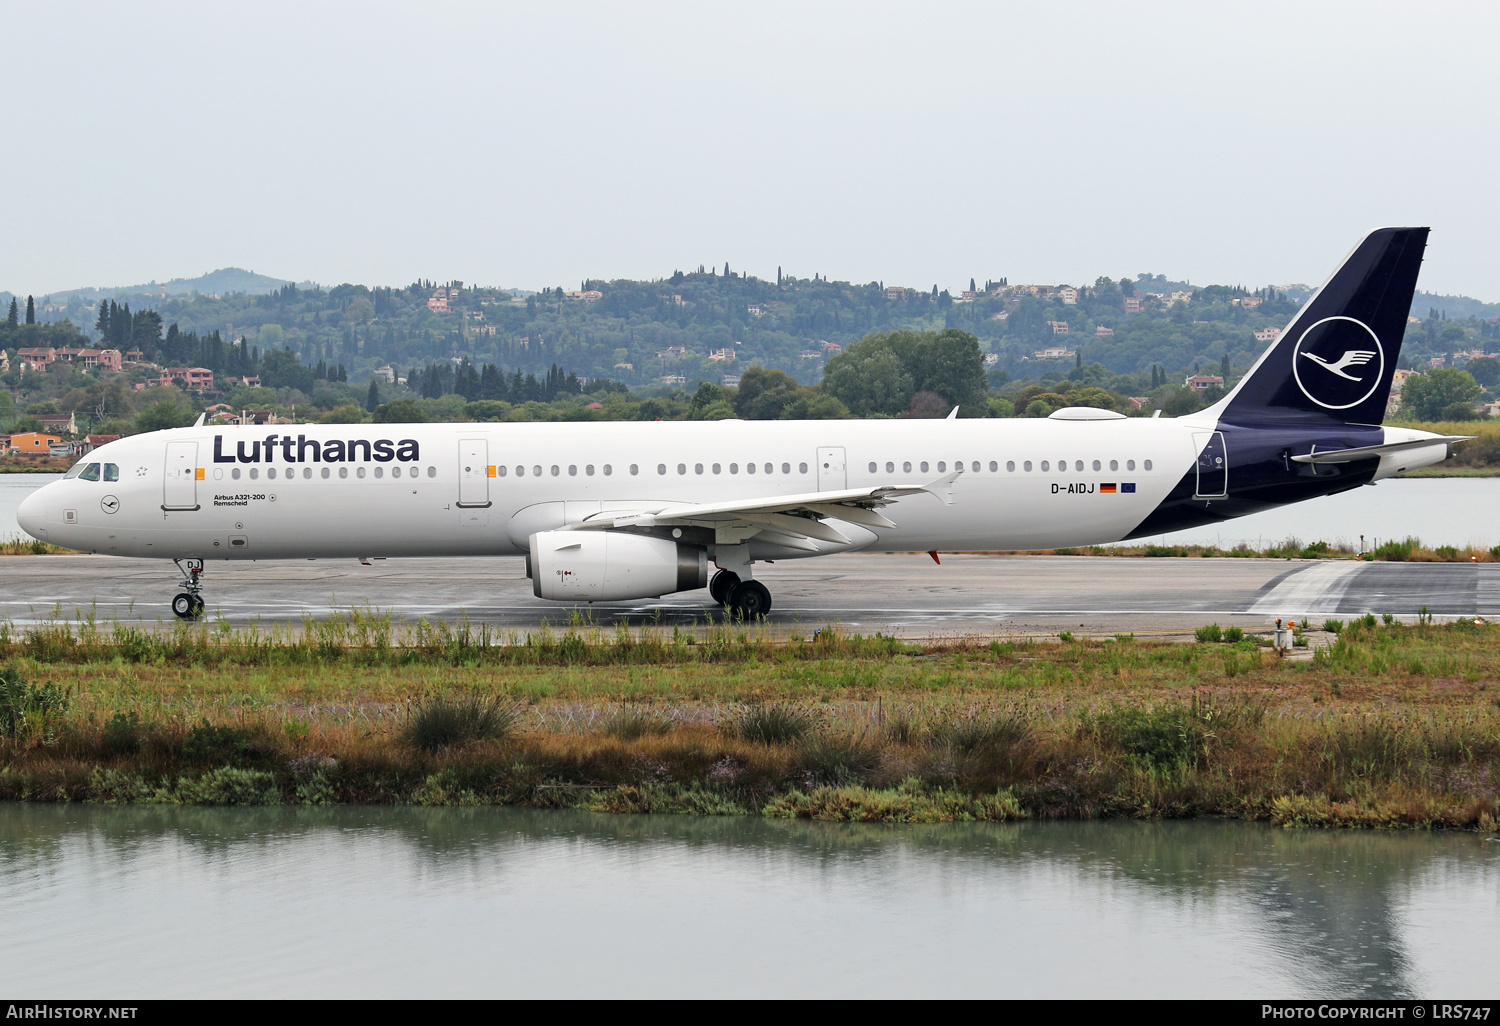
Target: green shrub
1166, 738
122, 735
216, 743
1368, 620
440, 723
1333, 626
1446, 553
771, 724
837, 759
23, 705
1388, 619
1233, 635
1396, 551
1164, 550
1212, 632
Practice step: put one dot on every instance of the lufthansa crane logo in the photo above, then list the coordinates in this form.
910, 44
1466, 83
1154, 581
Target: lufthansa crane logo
1338, 362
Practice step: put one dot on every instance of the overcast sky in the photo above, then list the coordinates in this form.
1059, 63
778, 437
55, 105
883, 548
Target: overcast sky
529, 144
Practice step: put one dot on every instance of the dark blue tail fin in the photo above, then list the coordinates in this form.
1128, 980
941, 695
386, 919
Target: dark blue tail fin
1335, 360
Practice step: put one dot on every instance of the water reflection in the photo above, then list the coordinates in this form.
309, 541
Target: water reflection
410, 901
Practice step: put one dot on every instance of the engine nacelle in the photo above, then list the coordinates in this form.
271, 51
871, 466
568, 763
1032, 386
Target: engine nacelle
601, 566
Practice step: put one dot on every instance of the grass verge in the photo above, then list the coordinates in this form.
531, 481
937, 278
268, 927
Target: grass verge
1390, 725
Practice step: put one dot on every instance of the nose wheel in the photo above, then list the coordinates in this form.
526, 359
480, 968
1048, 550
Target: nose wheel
188, 604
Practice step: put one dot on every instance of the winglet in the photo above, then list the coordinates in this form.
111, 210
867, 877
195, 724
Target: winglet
201, 418
952, 414
943, 487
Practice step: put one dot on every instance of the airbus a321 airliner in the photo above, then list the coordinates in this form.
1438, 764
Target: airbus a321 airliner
618, 511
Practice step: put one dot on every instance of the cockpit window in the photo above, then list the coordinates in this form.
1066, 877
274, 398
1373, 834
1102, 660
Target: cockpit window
90, 473
111, 472
73, 472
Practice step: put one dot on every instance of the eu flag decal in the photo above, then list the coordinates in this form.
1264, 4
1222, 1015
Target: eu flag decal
1127, 486
1106, 488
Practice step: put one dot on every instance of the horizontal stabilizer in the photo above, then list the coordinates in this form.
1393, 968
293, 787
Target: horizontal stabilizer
1369, 452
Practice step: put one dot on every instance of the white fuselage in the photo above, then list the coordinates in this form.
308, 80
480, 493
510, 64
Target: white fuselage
483, 489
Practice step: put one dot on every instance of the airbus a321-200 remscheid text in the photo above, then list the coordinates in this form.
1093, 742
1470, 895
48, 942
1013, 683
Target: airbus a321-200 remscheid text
623, 511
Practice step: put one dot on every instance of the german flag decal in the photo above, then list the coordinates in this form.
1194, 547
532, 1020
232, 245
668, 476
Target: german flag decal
1107, 488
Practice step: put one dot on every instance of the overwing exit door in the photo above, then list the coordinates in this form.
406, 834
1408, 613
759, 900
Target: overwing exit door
474, 473
180, 483
831, 475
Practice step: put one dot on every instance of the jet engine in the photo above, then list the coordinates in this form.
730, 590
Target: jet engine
594, 566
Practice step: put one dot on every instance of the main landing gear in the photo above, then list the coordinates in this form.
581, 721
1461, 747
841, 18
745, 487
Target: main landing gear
748, 600
188, 604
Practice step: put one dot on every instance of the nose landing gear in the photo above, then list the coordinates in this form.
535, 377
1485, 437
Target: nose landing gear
188, 604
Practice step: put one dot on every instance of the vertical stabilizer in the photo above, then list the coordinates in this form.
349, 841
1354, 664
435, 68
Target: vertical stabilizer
1335, 360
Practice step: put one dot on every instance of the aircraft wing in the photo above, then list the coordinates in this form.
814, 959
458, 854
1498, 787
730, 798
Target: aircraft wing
785, 519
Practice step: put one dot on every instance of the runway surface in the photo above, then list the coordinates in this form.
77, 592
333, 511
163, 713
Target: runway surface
906, 595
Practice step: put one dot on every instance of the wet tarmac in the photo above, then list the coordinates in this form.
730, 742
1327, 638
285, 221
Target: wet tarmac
905, 594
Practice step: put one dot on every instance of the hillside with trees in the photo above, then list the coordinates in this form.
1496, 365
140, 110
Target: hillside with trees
707, 343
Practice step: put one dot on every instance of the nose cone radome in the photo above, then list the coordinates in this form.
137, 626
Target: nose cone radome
32, 514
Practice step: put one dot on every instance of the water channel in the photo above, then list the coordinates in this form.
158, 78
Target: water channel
367, 902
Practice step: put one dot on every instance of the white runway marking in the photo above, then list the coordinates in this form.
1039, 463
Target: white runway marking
1318, 589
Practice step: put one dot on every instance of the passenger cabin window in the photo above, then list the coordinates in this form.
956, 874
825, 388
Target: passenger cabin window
906, 467
432, 471
608, 470
325, 473
802, 468
1044, 466
682, 468
572, 470
786, 468
1027, 466
536, 471
235, 473
520, 471
1114, 464
1147, 464
661, 468
942, 466
924, 466
500, 471
749, 468
734, 468
770, 468
995, 466
1010, 465
271, 473
697, 468
633, 470
1130, 464
588, 470
718, 468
